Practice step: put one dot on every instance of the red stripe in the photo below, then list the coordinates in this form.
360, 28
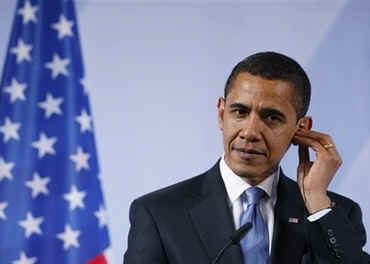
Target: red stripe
98, 260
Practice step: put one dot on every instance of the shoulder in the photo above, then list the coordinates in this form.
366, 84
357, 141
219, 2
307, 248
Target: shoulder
182, 195
184, 192
173, 193
167, 205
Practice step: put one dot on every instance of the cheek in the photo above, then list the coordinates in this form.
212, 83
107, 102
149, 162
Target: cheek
231, 131
234, 128
282, 138
284, 133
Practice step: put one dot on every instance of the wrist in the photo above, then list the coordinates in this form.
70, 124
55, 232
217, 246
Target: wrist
316, 202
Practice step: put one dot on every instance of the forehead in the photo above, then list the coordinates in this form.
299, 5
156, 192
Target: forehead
250, 89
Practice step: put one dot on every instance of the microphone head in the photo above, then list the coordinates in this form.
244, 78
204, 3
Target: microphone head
237, 235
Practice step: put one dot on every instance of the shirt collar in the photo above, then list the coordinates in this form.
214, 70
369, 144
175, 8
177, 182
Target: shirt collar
235, 185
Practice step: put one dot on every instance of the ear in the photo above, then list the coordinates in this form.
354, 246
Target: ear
305, 123
221, 112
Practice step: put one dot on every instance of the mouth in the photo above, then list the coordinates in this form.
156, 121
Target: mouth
250, 153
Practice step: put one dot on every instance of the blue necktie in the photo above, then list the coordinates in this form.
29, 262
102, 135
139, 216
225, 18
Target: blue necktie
255, 244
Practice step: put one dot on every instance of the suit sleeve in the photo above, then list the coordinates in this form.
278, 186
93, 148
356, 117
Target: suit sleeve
338, 237
144, 243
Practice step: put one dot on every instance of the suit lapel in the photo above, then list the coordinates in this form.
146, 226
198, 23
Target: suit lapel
288, 243
212, 219
213, 222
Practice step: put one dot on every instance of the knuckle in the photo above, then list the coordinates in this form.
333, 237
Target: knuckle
324, 135
337, 161
328, 158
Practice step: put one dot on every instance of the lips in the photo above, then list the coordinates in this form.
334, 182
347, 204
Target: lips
250, 152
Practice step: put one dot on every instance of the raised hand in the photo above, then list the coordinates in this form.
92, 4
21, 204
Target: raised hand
313, 177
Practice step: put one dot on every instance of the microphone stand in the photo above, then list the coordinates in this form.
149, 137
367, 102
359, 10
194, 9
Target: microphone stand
235, 237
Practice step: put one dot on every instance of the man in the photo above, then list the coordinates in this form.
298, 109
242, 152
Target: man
262, 113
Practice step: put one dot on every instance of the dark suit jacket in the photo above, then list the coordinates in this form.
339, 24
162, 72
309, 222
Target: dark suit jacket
190, 222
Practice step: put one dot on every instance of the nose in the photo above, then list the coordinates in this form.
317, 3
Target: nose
252, 128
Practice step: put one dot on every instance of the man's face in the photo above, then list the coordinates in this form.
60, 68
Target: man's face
258, 122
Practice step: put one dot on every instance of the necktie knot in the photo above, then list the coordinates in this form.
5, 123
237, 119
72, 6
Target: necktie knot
253, 195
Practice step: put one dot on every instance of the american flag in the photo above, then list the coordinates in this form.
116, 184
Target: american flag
51, 202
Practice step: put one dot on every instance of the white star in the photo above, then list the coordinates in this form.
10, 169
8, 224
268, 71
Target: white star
51, 105
5, 169
58, 66
75, 198
64, 27
45, 145
16, 90
102, 216
86, 85
22, 51
38, 185
28, 12
3, 205
24, 260
81, 159
10, 130
69, 237
31, 225
84, 120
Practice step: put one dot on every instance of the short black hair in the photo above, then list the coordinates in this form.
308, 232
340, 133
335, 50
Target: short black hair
275, 66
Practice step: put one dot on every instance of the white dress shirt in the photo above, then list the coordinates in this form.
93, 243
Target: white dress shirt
235, 186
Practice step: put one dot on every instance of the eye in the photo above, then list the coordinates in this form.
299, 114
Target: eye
239, 112
274, 119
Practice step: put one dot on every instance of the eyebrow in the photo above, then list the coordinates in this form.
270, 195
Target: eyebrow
239, 105
272, 111
264, 111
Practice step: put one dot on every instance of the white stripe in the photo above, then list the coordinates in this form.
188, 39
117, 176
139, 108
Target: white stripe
109, 256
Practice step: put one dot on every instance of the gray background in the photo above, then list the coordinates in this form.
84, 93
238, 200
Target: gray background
156, 68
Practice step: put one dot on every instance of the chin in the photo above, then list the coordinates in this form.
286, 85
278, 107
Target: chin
252, 174
248, 172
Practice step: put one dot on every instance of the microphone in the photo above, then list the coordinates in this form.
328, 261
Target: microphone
235, 237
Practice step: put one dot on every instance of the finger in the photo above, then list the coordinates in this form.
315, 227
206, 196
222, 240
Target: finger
329, 157
309, 143
302, 170
300, 174
321, 137
303, 154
